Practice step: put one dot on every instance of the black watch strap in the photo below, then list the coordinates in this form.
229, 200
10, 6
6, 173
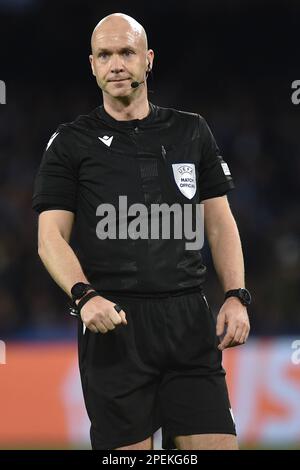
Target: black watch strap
232, 293
242, 294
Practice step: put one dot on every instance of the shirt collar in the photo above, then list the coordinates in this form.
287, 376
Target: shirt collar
104, 116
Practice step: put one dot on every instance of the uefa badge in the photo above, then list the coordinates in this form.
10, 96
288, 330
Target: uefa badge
185, 177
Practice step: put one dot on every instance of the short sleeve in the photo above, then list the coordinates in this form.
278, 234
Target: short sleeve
214, 175
55, 185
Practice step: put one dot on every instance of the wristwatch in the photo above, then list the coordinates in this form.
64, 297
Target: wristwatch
242, 294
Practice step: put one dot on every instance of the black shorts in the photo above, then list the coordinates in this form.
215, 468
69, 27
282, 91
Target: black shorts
162, 369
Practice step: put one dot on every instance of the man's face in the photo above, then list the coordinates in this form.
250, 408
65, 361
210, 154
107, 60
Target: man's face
119, 58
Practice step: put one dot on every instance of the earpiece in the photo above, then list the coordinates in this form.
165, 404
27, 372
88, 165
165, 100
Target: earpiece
136, 84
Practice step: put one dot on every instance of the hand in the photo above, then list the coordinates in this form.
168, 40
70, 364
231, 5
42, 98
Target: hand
235, 316
99, 315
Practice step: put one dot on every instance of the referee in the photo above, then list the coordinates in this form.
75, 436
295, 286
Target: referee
150, 350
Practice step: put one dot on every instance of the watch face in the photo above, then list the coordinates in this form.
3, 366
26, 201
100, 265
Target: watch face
245, 296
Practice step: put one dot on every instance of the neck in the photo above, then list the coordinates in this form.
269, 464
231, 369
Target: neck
129, 107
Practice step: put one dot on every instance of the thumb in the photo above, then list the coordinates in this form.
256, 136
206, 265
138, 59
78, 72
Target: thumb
220, 324
123, 317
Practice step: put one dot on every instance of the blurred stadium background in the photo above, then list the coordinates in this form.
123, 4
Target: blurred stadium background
233, 62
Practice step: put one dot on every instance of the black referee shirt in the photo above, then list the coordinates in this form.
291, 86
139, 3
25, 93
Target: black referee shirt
168, 157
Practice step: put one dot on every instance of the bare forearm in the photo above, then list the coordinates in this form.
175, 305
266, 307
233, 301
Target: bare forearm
61, 262
227, 255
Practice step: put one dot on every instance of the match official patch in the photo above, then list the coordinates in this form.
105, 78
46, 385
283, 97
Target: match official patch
185, 177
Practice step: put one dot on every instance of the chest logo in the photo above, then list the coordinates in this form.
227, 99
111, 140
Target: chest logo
106, 140
185, 178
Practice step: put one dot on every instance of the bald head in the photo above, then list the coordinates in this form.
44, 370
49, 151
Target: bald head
120, 56
119, 23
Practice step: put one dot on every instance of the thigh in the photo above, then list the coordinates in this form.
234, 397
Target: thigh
147, 444
206, 442
120, 389
194, 404
193, 393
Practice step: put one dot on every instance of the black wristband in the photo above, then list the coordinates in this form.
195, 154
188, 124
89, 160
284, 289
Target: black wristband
79, 290
85, 299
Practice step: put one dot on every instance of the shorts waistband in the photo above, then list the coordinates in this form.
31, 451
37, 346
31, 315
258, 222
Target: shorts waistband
154, 295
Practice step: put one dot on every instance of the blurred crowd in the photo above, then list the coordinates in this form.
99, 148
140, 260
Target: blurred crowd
251, 116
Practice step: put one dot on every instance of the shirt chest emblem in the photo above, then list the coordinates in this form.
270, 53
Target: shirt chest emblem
106, 140
185, 178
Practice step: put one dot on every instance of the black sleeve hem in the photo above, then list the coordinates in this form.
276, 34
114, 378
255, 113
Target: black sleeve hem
45, 202
217, 191
42, 208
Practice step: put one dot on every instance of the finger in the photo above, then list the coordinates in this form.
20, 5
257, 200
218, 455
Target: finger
121, 313
101, 328
93, 328
245, 335
220, 324
123, 317
238, 337
115, 317
109, 325
227, 339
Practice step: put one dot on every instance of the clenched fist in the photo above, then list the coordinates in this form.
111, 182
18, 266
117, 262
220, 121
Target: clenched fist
99, 315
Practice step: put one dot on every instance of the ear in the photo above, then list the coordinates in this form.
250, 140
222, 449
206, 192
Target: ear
150, 58
92, 64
